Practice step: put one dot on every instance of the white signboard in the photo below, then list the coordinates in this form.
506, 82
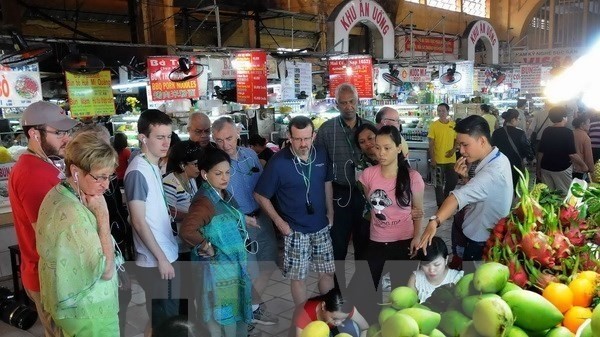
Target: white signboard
482, 30
531, 77
20, 86
414, 74
298, 79
555, 56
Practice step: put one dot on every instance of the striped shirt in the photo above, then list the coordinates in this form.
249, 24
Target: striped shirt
595, 134
338, 140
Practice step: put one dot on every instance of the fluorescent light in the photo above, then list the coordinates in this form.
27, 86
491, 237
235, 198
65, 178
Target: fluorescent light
129, 85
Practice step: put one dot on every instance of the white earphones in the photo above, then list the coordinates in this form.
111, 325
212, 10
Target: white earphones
76, 176
144, 140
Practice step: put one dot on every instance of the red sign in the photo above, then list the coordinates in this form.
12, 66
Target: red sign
251, 77
355, 70
430, 44
162, 88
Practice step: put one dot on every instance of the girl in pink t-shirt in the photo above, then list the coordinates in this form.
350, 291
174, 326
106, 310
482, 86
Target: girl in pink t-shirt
395, 192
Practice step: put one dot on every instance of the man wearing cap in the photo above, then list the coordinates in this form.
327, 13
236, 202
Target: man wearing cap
48, 131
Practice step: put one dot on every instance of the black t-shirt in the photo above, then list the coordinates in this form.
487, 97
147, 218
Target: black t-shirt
266, 154
557, 144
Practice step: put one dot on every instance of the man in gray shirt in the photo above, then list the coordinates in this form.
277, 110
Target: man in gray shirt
337, 137
489, 193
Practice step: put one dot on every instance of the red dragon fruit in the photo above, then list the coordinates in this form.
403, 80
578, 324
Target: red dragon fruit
517, 275
536, 246
561, 245
575, 236
588, 263
537, 278
568, 215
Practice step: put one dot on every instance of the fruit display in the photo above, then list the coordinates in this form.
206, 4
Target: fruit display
487, 304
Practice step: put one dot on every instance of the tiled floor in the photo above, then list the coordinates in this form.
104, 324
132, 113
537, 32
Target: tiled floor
277, 296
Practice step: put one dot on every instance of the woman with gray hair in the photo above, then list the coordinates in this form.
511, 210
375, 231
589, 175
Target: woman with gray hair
77, 256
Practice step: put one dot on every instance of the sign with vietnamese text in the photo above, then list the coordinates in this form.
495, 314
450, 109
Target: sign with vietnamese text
90, 95
159, 68
351, 12
298, 79
20, 86
357, 70
430, 44
251, 77
531, 78
555, 57
478, 30
414, 74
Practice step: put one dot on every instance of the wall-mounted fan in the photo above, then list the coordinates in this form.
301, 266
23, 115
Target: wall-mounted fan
24, 53
81, 63
435, 73
451, 76
188, 69
392, 77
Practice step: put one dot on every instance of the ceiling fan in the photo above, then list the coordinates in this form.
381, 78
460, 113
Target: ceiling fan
81, 63
451, 76
188, 69
24, 53
392, 77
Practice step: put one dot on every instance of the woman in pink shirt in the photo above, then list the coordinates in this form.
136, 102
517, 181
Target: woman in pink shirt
395, 192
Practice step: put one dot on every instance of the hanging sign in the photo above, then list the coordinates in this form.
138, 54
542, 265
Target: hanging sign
298, 79
251, 77
357, 70
20, 86
368, 12
531, 78
430, 44
414, 74
482, 30
90, 95
159, 68
555, 56
465, 85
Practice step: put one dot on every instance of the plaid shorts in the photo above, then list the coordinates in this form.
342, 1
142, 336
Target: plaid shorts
312, 250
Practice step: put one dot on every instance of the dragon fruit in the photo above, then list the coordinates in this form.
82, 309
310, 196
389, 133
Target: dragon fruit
536, 246
568, 215
561, 245
575, 236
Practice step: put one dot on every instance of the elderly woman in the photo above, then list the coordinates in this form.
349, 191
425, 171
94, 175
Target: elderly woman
77, 256
217, 231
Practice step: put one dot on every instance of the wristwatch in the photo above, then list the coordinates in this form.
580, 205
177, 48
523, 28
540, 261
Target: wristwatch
436, 219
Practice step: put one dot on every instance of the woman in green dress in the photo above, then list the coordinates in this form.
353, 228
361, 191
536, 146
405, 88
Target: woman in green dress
217, 231
77, 258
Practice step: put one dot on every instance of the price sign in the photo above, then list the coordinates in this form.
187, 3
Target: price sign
90, 95
159, 68
357, 70
251, 77
20, 86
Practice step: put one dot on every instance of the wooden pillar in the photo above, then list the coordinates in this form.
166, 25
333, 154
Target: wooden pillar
159, 23
253, 31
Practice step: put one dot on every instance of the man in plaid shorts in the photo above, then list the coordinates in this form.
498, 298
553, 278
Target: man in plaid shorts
298, 178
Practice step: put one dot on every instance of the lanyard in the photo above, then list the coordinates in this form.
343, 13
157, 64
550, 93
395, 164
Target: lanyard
358, 123
479, 167
305, 179
160, 184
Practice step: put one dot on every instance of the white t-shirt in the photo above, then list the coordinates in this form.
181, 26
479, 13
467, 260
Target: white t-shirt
143, 182
425, 289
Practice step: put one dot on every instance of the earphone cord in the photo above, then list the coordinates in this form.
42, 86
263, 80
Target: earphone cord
337, 200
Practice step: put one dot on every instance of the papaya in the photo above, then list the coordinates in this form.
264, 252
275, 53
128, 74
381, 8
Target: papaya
403, 297
492, 317
464, 286
427, 320
468, 303
436, 333
490, 277
509, 287
453, 322
399, 325
385, 313
515, 331
559, 331
532, 311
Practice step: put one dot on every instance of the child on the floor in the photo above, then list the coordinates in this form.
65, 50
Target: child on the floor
433, 270
332, 309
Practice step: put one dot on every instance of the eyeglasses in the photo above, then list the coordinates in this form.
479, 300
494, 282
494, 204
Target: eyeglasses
58, 133
102, 179
391, 120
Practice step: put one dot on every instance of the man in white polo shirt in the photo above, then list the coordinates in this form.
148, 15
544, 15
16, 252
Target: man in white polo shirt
153, 236
489, 193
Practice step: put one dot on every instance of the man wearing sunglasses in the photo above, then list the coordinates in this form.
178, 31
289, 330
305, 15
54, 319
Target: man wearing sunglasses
298, 177
48, 130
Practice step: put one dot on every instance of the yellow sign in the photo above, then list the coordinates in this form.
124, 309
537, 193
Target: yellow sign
90, 95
